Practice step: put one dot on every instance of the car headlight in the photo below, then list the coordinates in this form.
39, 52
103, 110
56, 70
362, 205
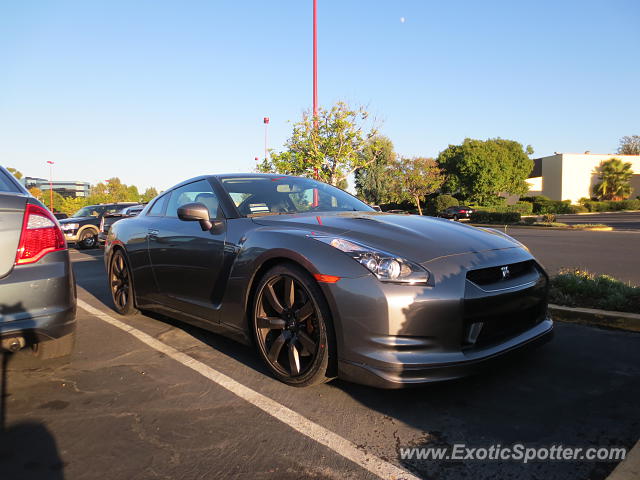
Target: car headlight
70, 226
385, 266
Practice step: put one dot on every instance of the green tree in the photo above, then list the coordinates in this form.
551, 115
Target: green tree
334, 147
373, 182
16, 173
615, 180
71, 205
480, 170
414, 178
629, 145
148, 195
36, 192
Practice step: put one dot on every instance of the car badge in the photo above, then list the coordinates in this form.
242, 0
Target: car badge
505, 272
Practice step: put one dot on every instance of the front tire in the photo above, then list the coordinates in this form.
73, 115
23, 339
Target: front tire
88, 239
292, 327
121, 285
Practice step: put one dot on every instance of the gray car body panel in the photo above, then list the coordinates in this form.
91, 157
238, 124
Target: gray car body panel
38, 300
387, 335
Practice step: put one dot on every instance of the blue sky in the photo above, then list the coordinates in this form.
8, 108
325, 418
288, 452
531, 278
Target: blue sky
158, 91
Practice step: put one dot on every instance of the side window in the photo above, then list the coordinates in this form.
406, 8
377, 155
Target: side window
6, 185
200, 192
157, 207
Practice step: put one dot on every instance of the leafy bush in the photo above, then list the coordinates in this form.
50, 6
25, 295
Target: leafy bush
578, 209
579, 288
611, 205
503, 218
442, 202
549, 217
542, 204
523, 208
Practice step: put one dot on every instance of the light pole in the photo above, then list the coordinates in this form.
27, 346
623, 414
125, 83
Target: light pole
315, 87
265, 120
50, 184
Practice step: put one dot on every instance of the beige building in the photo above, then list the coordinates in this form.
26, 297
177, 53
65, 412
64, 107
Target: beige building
570, 176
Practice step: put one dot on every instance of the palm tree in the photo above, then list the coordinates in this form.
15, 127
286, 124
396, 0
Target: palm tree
615, 180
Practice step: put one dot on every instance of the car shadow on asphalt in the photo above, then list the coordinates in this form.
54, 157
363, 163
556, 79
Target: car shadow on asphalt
98, 288
28, 449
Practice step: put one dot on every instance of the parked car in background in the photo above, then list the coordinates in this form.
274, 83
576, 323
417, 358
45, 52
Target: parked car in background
37, 287
324, 286
82, 228
109, 219
60, 216
456, 213
398, 212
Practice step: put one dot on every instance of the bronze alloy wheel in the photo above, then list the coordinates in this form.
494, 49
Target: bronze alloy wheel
120, 284
289, 326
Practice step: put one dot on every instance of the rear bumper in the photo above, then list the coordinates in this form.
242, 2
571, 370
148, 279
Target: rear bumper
38, 301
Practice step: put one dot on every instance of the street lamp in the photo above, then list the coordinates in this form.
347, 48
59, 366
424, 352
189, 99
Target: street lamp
315, 88
50, 184
265, 120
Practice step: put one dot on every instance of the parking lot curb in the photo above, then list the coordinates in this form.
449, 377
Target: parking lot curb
592, 316
629, 467
542, 227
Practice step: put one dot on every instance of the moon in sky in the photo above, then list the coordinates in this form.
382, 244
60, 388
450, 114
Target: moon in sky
401, 19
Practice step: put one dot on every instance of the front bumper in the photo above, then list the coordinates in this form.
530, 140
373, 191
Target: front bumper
449, 367
38, 301
71, 236
396, 335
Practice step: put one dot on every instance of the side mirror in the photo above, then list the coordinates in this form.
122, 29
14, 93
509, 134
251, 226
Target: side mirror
196, 212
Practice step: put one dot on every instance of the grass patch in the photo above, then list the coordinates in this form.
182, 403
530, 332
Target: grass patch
579, 288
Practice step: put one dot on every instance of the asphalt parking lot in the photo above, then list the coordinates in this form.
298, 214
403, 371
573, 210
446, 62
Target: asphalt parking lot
615, 253
124, 410
617, 220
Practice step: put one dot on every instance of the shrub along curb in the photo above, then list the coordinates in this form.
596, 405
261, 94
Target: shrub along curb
592, 316
568, 227
599, 213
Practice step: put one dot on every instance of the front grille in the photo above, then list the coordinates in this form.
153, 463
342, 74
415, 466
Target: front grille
506, 314
487, 276
507, 326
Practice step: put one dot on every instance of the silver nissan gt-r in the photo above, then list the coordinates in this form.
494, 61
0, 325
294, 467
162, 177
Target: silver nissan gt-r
324, 285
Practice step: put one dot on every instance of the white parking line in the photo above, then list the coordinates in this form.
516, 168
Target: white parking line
325, 437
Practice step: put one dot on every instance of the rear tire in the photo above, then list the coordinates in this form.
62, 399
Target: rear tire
88, 239
58, 348
121, 284
292, 327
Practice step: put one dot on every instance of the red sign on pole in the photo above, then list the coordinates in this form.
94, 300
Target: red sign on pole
266, 120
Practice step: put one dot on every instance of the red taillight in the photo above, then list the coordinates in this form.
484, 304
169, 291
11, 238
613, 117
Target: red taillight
40, 235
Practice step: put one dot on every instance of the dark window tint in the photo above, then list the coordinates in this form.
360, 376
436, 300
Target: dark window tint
158, 207
200, 192
6, 185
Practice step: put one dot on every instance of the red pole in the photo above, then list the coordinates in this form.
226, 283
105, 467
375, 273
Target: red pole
315, 86
265, 120
50, 185
315, 63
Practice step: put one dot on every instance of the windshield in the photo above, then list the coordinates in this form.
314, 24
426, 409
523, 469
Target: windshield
281, 195
96, 210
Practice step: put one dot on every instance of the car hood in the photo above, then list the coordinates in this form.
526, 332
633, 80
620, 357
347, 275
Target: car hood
414, 237
74, 220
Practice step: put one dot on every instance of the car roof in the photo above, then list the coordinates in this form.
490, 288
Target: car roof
222, 176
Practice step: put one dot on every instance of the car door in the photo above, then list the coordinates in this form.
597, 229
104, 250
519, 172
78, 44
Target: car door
187, 261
